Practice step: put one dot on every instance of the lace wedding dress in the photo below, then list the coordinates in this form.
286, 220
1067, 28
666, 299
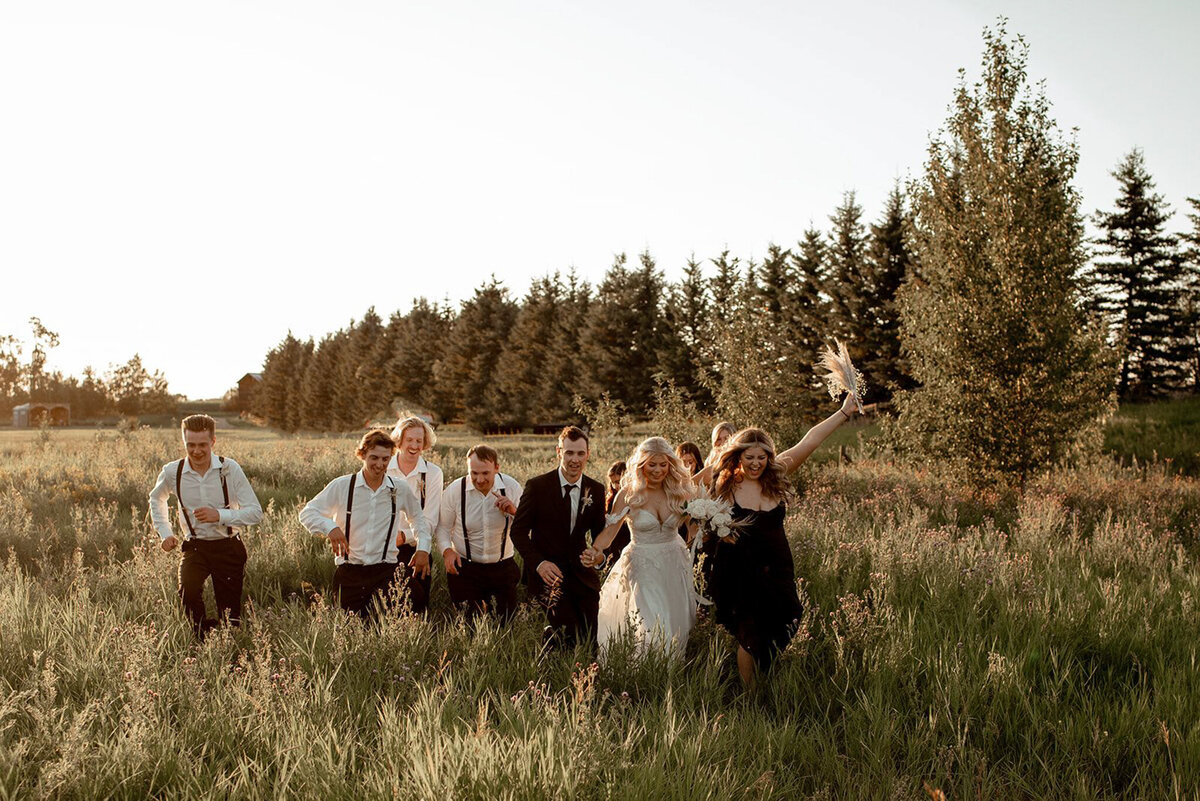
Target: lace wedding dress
650, 592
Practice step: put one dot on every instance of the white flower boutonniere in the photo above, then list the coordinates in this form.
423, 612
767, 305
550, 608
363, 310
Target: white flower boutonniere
585, 501
223, 470
392, 491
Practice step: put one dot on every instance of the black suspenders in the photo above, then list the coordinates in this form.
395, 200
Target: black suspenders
225, 493
387, 536
179, 497
462, 514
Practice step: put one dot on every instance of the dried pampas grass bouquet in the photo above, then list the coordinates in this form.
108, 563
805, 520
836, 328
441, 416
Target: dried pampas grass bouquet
842, 375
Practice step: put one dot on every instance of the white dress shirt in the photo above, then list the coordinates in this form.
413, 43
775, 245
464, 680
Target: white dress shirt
430, 475
204, 490
485, 522
368, 519
578, 485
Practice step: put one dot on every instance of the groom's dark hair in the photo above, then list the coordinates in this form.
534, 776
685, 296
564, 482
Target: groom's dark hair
571, 433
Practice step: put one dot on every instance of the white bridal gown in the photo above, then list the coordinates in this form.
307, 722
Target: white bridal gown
650, 590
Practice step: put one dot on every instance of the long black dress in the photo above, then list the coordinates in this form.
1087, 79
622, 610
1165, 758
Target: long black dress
752, 583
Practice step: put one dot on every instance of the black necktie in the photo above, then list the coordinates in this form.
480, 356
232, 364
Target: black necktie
567, 492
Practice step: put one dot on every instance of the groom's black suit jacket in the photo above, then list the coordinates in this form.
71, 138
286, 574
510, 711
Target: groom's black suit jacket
541, 532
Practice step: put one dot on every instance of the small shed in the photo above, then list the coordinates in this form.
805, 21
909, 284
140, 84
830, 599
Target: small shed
247, 386
32, 415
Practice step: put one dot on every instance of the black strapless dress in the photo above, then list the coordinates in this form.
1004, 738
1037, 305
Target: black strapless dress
752, 584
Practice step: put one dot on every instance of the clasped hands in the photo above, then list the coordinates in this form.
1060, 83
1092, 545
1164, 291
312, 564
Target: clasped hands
592, 557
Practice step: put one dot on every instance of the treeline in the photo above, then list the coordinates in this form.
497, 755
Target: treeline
739, 336
128, 389
736, 338
975, 302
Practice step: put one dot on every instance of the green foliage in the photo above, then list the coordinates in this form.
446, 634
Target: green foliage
760, 377
468, 371
1140, 288
1013, 375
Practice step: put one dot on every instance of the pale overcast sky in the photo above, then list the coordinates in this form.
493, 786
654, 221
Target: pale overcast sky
189, 181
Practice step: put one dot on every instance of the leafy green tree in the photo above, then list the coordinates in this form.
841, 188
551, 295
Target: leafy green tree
134, 390
1139, 285
35, 371
1013, 373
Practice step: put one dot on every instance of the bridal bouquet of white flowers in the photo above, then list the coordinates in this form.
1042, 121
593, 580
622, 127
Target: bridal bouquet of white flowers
712, 516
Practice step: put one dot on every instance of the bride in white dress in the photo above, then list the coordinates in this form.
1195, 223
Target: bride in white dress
649, 592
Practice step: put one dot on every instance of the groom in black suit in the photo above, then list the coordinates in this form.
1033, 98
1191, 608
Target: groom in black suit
559, 513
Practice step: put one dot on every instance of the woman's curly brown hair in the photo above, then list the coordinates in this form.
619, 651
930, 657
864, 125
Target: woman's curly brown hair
726, 474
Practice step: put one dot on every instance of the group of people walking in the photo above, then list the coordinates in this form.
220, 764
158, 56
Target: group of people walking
382, 521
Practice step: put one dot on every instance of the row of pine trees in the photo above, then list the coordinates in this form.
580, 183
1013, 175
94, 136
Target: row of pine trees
975, 304
499, 362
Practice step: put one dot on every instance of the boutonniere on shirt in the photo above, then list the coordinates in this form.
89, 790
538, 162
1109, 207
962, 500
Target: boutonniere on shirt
586, 501
392, 491
223, 470
421, 484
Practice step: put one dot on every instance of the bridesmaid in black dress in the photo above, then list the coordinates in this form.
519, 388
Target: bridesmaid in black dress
752, 580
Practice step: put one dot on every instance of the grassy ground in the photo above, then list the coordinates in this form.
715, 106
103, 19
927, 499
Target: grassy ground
990, 645
1165, 432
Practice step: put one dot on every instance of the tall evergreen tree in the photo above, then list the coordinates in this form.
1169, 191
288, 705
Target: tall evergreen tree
321, 378
810, 264
759, 379
1191, 294
687, 316
293, 407
1012, 374
361, 392
470, 367
1139, 284
610, 334
847, 253
417, 340
528, 383
278, 377
890, 260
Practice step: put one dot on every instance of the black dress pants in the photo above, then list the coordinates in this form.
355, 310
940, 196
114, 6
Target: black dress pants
357, 586
571, 610
418, 588
225, 561
483, 587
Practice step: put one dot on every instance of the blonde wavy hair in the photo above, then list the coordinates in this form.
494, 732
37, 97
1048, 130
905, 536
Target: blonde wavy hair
414, 422
677, 485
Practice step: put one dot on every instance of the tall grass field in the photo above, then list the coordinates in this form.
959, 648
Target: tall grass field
977, 644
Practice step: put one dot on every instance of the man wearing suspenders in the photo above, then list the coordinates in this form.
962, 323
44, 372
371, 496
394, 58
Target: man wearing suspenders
473, 533
360, 514
413, 437
215, 502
